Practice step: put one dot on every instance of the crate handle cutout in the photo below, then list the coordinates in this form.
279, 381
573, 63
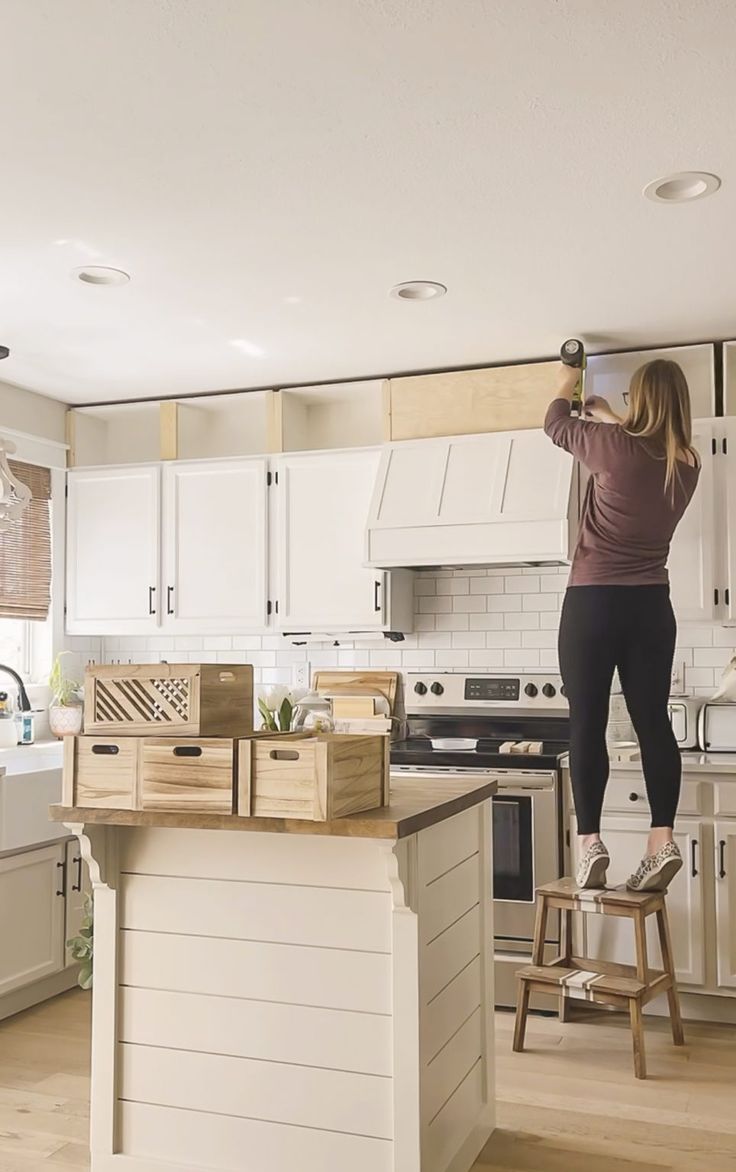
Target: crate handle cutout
107, 750
226, 675
187, 750
284, 755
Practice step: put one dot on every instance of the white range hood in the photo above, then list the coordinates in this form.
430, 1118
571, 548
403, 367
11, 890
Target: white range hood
506, 498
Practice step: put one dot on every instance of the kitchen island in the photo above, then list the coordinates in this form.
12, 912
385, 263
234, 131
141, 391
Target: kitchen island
274, 995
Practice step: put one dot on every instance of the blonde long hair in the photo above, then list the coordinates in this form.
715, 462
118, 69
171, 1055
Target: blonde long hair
659, 410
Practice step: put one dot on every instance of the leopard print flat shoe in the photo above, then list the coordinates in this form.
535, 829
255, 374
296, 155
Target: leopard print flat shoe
656, 872
593, 866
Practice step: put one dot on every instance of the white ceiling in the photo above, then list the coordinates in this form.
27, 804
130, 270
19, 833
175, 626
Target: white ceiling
267, 169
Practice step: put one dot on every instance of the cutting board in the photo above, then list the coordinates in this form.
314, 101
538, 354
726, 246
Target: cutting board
356, 683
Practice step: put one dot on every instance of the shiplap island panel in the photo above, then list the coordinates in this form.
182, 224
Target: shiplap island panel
310, 995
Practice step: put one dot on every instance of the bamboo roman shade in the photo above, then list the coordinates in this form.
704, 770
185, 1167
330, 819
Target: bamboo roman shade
25, 550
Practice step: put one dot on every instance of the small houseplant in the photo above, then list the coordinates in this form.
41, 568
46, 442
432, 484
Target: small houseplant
82, 946
276, 706
65, 709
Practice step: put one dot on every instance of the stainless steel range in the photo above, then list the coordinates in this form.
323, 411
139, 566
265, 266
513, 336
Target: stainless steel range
515, 728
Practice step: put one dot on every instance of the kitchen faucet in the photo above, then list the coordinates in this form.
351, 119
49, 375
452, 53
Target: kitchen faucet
23, 702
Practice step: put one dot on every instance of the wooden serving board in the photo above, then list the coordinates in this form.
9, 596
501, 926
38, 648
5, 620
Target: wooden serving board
357, 683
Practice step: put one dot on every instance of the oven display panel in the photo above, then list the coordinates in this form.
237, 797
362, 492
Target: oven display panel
493, 689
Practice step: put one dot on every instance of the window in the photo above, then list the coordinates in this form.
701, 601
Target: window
25, 550
15, 644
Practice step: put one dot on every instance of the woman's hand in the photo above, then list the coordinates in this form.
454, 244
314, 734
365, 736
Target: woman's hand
600, 410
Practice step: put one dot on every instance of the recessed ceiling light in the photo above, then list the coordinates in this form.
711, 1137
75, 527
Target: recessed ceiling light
418, 290
682, 187
101, 275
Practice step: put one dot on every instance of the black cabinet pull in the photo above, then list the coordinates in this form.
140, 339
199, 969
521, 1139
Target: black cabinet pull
722, 859
376, 593
106, 750
633, 797
187, 750
151, 600
169, 597
77, 860
62, 893
693, 867
715, 596
727, 596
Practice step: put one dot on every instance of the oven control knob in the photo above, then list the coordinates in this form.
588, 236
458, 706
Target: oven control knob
531, 690
549, 691
436, 689
420, 688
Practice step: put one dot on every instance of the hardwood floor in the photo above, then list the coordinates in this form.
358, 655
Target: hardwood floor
569, 1104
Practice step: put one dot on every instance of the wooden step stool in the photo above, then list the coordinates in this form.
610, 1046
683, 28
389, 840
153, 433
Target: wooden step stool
581, 978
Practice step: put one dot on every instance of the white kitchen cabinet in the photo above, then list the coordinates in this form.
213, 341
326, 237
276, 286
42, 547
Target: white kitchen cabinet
500, 498
725, 869
613, 939
112, 552
214, 546
32, 916
77, 887
727, 523
693, 560
729, 378
322, 500
609, 375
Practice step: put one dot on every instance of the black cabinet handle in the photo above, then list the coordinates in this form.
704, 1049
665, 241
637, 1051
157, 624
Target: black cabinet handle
633, 797
693, 849
151, 600
376, 593
62, 893
715, 597
78, 861
722, 859
169, 597
727, 596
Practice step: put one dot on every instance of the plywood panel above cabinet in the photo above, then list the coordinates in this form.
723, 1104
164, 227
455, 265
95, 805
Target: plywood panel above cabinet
467, 402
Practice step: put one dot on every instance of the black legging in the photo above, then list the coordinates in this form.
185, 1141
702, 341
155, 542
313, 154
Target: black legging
632, 628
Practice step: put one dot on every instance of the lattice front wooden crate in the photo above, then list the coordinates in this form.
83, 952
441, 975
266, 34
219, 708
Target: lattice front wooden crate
169, 699
314, 778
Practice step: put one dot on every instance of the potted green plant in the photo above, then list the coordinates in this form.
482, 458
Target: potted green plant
65, 709
82, 946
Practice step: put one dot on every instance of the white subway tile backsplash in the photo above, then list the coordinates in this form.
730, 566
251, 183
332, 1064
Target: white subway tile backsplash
453, 622
522, 584
453, 586
452, 658
503, 639
439, 605
525, 621
484, 619
468, 639
469, 604
488, 622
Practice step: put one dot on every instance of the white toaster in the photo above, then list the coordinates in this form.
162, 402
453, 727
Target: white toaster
717, 727
684, 711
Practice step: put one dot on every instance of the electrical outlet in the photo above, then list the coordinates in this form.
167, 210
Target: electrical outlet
677, 680
301, 674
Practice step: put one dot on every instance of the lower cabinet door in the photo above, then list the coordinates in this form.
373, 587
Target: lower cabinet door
31, 916
611, 938
726, 904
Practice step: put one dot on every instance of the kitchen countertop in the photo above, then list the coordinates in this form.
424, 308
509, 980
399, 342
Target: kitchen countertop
693, 761
413, 806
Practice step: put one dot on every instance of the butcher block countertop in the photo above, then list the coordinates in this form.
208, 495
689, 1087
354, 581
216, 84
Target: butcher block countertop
414, 806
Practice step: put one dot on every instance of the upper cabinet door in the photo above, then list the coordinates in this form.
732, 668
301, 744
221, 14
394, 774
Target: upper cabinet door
322, 505
692, 560
215, 546
728, 457
609, 375
487, 499
112, 552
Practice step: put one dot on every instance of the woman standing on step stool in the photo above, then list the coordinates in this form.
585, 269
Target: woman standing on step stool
617, 611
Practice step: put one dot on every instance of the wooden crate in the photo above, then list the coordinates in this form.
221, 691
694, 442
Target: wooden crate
315, 778
186, 774
169, 699
102, 772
